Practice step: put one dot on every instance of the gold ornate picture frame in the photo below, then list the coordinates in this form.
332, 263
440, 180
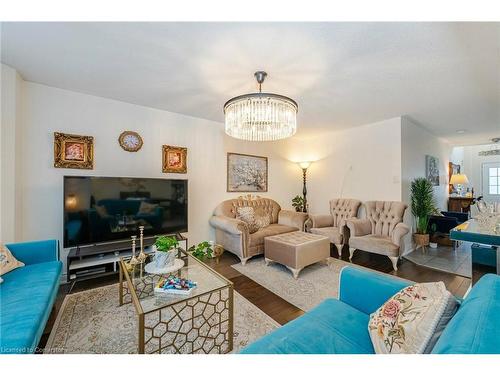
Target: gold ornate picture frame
73, 151
174, 159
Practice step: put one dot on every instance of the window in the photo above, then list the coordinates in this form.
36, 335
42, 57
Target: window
494, 181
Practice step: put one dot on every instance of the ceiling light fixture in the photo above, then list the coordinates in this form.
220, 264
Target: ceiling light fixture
260, 116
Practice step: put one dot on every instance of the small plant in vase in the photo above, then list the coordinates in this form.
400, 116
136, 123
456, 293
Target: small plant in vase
422, 206
298, 203
165, 247
202, 251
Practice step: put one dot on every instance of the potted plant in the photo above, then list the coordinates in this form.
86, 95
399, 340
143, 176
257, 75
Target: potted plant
422, 206
202, 251
164, 251
298, 203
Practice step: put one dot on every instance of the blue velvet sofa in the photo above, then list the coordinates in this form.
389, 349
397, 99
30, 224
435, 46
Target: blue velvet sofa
27, 295
341, 326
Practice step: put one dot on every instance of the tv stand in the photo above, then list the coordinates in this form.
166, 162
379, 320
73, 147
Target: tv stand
92, 261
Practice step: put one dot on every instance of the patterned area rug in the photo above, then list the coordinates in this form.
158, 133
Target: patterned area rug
315, 283
92, 322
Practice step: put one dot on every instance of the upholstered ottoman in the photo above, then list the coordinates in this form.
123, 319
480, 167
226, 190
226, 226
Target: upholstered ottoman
296, 250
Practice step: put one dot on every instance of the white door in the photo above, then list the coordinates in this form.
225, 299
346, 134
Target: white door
491, 182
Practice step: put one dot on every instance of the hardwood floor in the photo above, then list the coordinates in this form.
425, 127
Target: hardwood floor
273, 305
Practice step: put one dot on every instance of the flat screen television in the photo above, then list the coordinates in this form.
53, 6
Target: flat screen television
106, 209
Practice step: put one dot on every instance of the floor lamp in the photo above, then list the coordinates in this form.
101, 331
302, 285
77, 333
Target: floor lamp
304, 165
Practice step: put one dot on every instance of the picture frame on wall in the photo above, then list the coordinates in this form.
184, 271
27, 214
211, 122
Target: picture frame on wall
73, 151
174, 159
247, 173
432, 169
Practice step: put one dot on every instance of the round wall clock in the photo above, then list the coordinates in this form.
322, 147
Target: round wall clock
130, 141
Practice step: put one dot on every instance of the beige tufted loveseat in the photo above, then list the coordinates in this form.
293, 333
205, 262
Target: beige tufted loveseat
333, 225
381, 232
234, 234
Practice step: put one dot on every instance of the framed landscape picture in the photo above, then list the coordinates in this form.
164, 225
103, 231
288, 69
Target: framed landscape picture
73, 151
246, 173
432, 169
174, 159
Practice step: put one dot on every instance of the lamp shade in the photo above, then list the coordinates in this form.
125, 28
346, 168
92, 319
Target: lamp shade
459, 179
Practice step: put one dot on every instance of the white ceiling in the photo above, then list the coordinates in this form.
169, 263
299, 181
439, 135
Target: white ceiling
444, 75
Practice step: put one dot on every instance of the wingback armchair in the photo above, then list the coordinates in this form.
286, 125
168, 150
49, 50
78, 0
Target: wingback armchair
333, 225
234, 235
381, 232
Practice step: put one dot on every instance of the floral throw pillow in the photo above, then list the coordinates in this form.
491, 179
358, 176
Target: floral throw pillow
262, 218
7, 261
247, 214
412, 320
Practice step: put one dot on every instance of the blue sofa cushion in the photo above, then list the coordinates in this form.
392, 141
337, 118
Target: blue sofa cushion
332, 327
474, 329
27, 295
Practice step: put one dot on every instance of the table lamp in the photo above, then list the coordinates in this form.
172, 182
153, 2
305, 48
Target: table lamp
459, 180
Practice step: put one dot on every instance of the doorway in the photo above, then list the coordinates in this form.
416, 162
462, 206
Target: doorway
491, 182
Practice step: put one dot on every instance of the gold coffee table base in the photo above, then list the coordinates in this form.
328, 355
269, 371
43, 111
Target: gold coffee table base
201, 323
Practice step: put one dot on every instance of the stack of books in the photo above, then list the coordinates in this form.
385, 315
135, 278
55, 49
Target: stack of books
175, 285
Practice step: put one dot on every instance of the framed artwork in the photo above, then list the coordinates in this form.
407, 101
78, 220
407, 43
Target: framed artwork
432, 169
73, 151
246, 173
453, 169
174, 159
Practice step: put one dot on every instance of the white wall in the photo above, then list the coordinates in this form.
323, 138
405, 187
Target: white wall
416, 143
47, 109
471, 164
362, 162
11, 96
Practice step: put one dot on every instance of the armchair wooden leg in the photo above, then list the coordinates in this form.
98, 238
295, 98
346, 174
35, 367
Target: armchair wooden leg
339, 249
394, 261
351, 252
244, 260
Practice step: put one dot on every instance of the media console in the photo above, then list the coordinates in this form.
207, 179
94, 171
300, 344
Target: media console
99, 260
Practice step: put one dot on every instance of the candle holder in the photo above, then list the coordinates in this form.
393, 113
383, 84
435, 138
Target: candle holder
142, 256
133, 260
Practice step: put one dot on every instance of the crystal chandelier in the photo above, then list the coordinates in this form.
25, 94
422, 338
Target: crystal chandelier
260, 116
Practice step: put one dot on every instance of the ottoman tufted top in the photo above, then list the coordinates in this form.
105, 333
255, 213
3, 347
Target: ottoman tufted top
297, 238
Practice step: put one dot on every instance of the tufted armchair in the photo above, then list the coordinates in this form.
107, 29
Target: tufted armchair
381, 232
333, 225
234, 235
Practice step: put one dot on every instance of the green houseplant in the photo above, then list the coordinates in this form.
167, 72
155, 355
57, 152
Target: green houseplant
202, 251
298, 203
422, 206
164, 254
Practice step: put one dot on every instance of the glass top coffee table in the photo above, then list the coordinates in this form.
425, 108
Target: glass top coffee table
200, 322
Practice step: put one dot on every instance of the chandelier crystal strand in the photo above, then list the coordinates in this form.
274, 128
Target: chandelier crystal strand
261, 116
